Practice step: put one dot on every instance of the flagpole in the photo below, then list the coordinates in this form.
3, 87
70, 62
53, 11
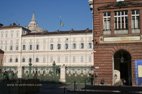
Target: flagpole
61, 24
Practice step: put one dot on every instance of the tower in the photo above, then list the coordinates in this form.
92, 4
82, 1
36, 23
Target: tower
33, 26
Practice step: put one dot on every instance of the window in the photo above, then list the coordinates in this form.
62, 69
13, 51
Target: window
30, 47
17, 33
5, 48
82, 45
24, 47
51, 59
5, 34
1, 33
10, 60
44, 59
17, 47
66, 46
23, 60
58, 46
74, 46
58, 59
37, 47
74, 59
30, 60
12, 32
121, 20
66, 58
51, 47
11, 48
90, 59
16, 60
106, 21
135, 19
81, 59
90, 45
37, 59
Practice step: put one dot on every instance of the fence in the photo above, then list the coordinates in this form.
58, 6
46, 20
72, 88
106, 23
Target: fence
8, 72
79, 74
50, 73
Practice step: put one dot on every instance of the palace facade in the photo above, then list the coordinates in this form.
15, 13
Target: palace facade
31, 44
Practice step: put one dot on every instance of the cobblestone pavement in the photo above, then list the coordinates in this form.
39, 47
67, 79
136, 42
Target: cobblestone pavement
58, 88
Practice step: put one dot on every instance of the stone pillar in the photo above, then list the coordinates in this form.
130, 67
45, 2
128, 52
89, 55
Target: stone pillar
62, 73
112, 24
19, 70
129, 22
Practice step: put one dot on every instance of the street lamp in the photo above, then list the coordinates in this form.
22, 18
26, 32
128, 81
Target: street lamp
54, 69
91, 5
122, 59
30, 65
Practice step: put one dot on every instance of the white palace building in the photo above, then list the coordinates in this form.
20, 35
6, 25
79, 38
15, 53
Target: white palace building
31, 44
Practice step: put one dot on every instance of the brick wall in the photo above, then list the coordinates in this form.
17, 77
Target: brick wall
103, 57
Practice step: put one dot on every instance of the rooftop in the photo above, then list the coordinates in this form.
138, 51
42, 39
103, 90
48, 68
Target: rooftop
60, 32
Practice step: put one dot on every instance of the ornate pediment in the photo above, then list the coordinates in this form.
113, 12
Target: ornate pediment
121, 4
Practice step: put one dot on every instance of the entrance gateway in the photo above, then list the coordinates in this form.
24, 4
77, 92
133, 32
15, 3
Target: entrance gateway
122, 67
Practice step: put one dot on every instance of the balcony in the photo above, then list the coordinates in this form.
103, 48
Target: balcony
135, 31
121, 32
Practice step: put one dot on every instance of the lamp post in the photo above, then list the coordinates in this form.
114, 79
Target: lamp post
54, 69
122, 59
30, 65
91, 5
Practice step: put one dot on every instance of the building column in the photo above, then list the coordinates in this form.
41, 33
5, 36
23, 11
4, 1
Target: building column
112, 23
129, 22
19, 69
63, 73
101, 25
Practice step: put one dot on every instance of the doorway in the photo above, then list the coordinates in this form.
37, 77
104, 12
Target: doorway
122, 63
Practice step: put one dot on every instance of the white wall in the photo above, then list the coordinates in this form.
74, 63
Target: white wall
70, 57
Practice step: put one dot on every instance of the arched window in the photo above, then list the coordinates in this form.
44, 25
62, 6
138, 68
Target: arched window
24, 47
81, 59
37, 59
30, 47
30, 59
74, 46
82, 46
16, 60
59, 46
37, 47
74, 59
89, 45
10, 60
66, 46
23, 60
51, 47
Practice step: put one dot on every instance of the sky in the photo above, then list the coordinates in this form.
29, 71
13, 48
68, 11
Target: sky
75, 14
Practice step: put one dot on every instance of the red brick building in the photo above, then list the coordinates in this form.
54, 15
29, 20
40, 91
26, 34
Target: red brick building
118, 39
1, 57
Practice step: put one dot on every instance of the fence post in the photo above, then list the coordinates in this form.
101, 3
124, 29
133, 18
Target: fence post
85, 86
64, 90
63, 73
19, 70
74, 87
30, 68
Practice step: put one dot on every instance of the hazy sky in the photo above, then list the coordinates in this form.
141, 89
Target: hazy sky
74, 13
